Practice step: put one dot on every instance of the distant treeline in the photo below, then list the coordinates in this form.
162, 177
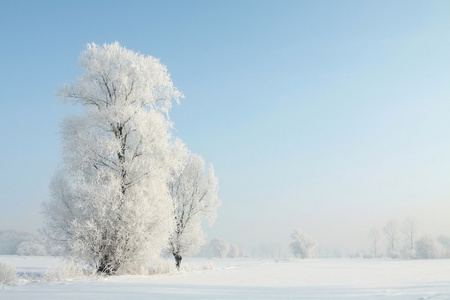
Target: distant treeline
20, 242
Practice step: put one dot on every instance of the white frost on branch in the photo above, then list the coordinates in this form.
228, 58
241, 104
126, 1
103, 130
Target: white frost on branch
194, 197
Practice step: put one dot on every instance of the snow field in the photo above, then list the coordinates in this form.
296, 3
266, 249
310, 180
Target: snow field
248, 279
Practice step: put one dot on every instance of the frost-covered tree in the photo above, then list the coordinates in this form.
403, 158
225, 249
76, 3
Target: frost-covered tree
444, 242
375, 236
10, 241
244, 253
219, 248
194, 197
110, 204
234, 251
426, 248
29, 248
392, 235
410, 232
302, 245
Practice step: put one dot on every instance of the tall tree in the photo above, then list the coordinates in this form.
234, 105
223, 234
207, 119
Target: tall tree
194, 197
110, 205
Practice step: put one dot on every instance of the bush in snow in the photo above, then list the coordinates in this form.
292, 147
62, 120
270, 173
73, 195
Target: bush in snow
302, 245
7, 274
162, 267
69, 270
166, 267
197, 267
406, 251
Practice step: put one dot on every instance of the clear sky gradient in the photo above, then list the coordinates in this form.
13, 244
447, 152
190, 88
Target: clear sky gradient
332, 116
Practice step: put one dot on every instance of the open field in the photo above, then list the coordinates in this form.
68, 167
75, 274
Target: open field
246, 279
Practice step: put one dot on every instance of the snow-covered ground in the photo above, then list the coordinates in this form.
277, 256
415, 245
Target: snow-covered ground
247, 279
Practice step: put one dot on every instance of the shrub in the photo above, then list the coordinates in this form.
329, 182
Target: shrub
162, 267
66, 271
168, 267
7, 274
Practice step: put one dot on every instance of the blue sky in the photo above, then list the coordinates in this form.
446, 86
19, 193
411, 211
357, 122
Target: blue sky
331, 116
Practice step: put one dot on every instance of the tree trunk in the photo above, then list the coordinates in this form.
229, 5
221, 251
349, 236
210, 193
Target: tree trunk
178, 259
106, 266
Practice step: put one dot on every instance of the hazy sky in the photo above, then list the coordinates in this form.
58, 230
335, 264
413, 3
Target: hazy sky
332, 116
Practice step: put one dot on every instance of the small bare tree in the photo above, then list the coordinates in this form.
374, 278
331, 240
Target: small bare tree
392, 235
410, 231
375, 235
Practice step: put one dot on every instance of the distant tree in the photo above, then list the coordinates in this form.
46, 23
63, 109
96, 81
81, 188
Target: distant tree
375, 236
194, 197
110, 205
244, 253
302, 245
426, 248
263, 250
269, 250
219, 248
279, 249
410, 232
29, 248
355, 255
234, 251
444, 241
22, 243
392, 235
